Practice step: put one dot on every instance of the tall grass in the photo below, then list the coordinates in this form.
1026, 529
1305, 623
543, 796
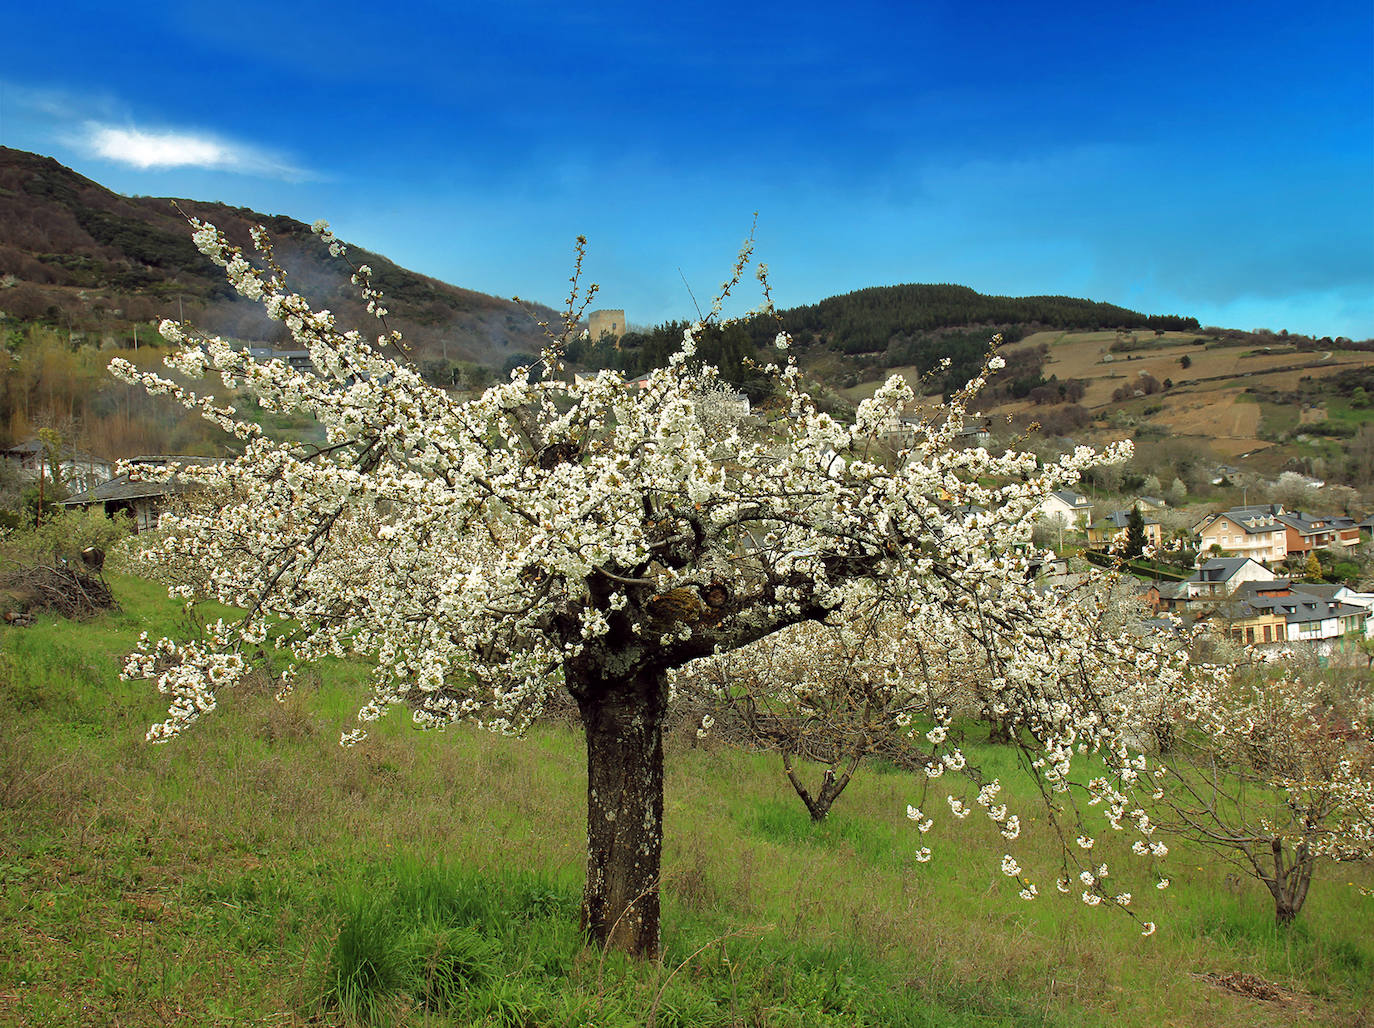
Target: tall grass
253, 872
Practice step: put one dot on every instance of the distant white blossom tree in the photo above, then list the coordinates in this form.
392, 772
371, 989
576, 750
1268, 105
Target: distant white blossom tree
1178, 492
587, 536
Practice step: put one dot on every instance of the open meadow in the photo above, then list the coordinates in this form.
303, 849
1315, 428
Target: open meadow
253, 872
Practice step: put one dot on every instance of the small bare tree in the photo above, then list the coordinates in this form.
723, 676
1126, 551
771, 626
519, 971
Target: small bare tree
1049, 531
830, 694
1276, 773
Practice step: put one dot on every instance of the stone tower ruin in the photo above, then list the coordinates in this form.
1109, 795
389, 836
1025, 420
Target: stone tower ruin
603, 323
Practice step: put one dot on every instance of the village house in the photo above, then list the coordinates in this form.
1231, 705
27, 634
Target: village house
1161, 596
143, 492
1307, 532
297, 360
1103, 531
1253, 532
73, 468
1219, 577
1254, 611
1247, 623
1312, 618
976, 432
1075, 508
1341, 594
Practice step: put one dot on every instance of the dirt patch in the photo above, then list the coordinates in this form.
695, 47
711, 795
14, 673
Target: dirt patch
1210, 414
1248, 985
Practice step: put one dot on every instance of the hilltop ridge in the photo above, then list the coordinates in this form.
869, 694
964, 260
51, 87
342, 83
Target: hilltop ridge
76, 254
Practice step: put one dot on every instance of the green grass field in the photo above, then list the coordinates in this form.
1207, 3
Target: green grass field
252, 872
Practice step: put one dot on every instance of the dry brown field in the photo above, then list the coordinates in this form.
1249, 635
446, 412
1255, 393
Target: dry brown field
1204, 400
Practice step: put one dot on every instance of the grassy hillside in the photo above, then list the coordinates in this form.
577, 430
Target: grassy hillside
253, 872
103, 266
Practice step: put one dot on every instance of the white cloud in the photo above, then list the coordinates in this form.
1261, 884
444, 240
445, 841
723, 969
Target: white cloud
170, 149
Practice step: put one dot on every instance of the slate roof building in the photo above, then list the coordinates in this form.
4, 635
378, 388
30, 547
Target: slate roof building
1108, 527
1308, 532
298, 360
1253, 532
143, 491
72, 467
1219, 577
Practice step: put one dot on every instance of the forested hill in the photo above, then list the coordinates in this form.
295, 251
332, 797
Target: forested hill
867, 319
852, 335
95, 263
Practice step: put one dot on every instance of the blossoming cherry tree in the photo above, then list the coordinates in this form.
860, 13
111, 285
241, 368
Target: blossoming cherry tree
586, 536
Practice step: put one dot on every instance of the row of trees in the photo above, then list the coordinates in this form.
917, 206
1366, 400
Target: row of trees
922, 307
927, 326
46, 381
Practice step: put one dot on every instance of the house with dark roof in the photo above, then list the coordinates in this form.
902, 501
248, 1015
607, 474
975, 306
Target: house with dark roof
1219, 577
1285, 611
1342, 594
976, 431
1253, 510
143, 491
298, 360
1244, 601
1253, 532
1114, 524
1163, 596
1313, 618
1308, 532
1248, 623
70, 466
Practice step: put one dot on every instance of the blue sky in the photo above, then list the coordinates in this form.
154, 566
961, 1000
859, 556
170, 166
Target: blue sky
1213, 159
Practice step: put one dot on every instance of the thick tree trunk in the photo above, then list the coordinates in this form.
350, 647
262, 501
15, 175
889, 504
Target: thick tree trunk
623, 722
1289, 882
